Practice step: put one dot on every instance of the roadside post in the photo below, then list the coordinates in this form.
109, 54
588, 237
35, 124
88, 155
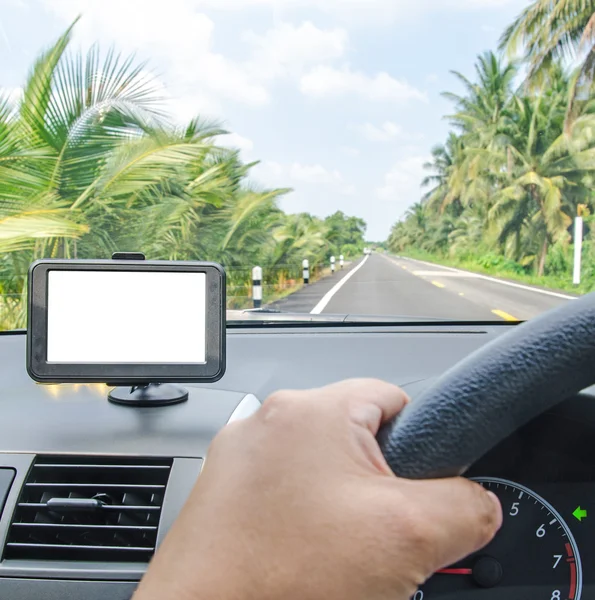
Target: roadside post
257, 287
341, 261
332, 264
578, 247
306, 271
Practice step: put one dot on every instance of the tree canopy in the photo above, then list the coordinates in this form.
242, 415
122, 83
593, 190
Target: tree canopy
511, 175
91, 163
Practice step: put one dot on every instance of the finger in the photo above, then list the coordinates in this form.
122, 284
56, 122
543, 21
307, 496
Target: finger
370, 402
465, 518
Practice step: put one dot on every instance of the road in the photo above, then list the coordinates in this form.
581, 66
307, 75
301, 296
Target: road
384, 285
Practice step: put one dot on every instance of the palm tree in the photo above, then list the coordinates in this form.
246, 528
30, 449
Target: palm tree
509, 178
538, 197
480, 116
549, 32
479, 112
442, 166
300, 236
410, 230
248, 222
72, 114
468, 233
90, 164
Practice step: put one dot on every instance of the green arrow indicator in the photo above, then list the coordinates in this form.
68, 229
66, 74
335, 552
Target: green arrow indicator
579, 513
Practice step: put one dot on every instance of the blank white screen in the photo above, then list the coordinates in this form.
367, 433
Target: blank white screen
126, 317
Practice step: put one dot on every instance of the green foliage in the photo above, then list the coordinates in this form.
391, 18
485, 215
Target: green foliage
496, 262
548, 33
351, 250
91, 164
510, 178
345, 235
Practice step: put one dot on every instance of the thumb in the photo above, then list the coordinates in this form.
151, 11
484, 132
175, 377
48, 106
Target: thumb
464, 519
370, 402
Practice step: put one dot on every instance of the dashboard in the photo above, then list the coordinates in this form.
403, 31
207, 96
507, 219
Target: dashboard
544, 476
88, 489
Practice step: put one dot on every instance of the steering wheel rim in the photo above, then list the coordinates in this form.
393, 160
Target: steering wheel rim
493, 392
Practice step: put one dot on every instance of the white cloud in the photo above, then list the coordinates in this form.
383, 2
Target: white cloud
386, 132
270, 173
187, 106
325, 81
288, 48
360, 13
180, 39
366, 8
279, 4
174, 34
402, 183
296, 174
479, 4
235, 140
383, 133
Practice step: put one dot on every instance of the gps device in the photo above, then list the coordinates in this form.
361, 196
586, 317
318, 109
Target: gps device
126, 322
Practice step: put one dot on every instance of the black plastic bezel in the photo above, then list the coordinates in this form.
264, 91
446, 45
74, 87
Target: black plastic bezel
125, 373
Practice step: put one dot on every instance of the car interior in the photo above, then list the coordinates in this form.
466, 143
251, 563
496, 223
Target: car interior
89, 486
203, 202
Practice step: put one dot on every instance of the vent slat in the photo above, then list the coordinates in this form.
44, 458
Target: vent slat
81, 547
115, 507
102, 466
108, 486
99, 527
89, 508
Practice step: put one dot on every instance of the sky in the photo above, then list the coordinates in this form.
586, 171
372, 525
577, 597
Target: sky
338, 99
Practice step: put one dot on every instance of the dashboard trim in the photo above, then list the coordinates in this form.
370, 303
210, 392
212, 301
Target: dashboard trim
248, 406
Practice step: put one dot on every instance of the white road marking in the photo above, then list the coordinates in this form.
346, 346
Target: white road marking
327, 297
500, 281
445, 274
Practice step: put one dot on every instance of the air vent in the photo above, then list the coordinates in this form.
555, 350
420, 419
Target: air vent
89, 508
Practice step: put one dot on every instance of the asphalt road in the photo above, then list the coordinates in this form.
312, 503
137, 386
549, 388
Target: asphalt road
384, 285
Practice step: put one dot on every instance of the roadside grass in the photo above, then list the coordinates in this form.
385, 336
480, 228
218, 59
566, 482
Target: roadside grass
504, 271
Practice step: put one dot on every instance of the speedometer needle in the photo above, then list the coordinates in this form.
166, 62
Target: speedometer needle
455, 571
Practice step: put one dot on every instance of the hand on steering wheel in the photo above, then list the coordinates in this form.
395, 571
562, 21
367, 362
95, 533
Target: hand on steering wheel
297, 502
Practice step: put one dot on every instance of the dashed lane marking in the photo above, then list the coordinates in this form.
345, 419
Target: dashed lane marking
446, 274
504, 315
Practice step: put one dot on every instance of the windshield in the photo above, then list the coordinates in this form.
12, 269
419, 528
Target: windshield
387, 159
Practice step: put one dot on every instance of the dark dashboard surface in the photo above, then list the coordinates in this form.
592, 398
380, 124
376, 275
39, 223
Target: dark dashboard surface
553, 456
262, 359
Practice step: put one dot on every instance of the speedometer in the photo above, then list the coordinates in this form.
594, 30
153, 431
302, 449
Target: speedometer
533, 556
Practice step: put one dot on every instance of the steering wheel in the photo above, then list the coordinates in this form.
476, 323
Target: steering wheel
493, 392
